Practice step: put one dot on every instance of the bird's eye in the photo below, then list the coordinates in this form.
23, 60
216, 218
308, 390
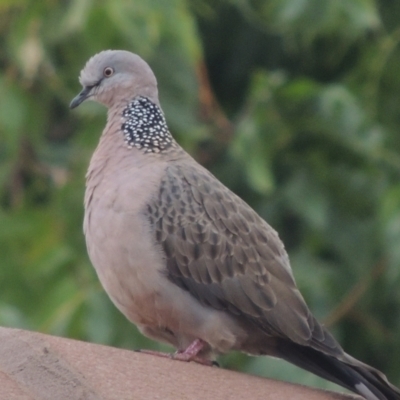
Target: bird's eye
108, 71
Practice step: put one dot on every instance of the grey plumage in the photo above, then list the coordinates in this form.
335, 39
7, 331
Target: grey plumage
183, 257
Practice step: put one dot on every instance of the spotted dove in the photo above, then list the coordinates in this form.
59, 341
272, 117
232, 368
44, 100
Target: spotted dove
183, 257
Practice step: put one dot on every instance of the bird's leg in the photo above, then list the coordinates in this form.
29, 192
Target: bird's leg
191, 353
192, 350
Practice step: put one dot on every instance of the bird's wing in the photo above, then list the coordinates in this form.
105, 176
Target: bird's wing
224, 254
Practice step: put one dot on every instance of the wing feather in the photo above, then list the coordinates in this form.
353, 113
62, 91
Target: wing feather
224, 254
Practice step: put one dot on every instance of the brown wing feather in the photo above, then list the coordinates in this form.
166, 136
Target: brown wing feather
228, 257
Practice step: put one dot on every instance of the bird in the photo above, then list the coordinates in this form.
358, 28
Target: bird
184, 258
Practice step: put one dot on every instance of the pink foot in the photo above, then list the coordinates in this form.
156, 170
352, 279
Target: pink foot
191, 353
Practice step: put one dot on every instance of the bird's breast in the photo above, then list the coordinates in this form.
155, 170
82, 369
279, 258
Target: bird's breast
118, 237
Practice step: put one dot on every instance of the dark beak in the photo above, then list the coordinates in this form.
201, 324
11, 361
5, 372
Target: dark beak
82, 96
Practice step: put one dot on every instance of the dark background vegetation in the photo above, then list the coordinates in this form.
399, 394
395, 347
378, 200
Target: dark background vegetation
293, 104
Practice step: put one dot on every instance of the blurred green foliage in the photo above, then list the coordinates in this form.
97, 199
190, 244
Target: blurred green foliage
292, 104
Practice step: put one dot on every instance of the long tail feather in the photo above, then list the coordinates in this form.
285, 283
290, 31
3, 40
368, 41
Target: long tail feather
347, 371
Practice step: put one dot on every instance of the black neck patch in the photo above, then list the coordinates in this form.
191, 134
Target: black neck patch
145, 126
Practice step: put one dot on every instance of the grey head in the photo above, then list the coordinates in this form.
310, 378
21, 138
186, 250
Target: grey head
114, 76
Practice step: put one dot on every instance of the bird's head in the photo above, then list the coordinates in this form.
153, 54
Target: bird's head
113, 76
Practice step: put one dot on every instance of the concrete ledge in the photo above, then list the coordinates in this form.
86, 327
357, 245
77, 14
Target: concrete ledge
34, 366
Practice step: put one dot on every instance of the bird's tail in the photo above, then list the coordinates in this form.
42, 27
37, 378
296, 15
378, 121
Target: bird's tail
347, 371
